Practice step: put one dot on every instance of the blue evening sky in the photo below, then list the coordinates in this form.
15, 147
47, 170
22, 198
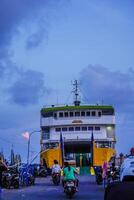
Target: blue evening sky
44, 46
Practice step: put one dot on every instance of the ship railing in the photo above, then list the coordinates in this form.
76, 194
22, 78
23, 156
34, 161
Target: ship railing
82, 104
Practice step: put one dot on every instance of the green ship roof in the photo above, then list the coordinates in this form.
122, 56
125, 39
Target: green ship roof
52, 109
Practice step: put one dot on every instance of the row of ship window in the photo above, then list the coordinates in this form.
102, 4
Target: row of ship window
78, 128
78, 114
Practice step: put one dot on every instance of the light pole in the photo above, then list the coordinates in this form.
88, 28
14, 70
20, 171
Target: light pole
29, 140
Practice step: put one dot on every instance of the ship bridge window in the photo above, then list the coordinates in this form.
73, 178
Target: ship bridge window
77, 114
71, 114
84, 128
82, 113
66, 114
60, 114
90, 128
64, 129
45, 136
46, 129
58, 129
47, 114
99, 114
71, 128
55, 115
93, 113
77, 128
97, 128
88, 113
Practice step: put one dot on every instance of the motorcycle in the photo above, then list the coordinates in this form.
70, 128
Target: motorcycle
31, 179
112, 176
99, 178
115, 175
56, 178
70, 188
10, 179
43, 172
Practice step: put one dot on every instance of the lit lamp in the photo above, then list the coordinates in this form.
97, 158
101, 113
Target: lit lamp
27, 136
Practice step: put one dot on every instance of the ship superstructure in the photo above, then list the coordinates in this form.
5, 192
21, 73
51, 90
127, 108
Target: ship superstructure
77, 123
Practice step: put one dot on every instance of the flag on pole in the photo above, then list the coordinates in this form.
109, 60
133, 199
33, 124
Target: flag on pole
62, 148
26, 135
92, 149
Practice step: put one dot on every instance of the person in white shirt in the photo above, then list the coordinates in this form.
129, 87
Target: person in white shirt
56, 167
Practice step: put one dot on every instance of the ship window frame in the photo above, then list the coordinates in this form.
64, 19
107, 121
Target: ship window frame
57, 129
93, 115
61, 114
71, 114
45, 135
71, 127
84, 128
76, 114
55, 115
83, 112
64, 129
90, 128
88, 113
97, 128
66, 114
77, 127
99, 113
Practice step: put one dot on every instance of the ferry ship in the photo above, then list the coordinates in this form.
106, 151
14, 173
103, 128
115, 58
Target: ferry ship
77, 123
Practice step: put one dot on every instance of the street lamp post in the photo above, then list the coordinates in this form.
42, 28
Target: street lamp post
29, 140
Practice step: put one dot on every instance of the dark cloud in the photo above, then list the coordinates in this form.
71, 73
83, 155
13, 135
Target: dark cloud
100, 84
12, 13
36, 38
15, 13
28, 88
115, 88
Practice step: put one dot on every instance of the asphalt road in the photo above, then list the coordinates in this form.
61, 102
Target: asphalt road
45, 190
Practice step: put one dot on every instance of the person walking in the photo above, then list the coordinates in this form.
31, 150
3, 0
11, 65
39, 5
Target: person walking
104, 172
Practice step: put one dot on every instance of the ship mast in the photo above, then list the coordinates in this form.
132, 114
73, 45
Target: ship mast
76, 93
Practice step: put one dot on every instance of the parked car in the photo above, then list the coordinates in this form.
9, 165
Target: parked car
127, 169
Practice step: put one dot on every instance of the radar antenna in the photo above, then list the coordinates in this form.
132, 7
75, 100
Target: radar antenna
76, 93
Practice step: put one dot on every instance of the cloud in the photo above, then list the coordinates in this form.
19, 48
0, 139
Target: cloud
112, 87
14, 15
99, 84
36, 38
28, 88
17, 13
18, 86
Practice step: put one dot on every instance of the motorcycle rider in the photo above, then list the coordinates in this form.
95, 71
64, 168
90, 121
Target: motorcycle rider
56, 168
114, 171
69, 174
